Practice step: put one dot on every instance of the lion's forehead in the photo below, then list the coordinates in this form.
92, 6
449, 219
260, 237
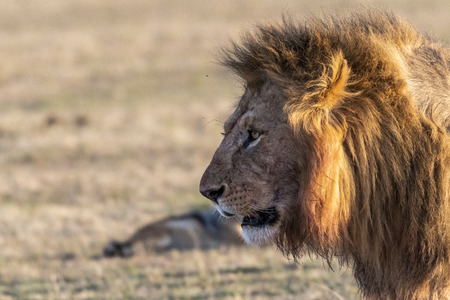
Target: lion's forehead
268, 101
266, 105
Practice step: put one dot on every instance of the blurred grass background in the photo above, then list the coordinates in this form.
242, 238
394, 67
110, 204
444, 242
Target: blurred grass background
110, 112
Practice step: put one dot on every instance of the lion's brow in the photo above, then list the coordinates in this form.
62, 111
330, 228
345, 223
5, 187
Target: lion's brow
228, 125
231, 122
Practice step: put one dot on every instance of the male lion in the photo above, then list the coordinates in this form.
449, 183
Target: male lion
340, 146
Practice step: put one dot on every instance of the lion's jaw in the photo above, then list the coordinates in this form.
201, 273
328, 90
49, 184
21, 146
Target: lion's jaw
260, 225
262, 233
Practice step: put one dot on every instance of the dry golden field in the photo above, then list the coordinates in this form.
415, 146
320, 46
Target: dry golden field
110, 112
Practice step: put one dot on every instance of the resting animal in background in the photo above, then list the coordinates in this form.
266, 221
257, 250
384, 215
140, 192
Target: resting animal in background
200, 229
340, 146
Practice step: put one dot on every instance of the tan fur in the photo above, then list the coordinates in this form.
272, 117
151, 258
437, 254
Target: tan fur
195, 230
353, 149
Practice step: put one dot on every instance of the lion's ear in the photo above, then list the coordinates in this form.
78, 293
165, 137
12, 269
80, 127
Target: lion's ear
310, 107
331, 87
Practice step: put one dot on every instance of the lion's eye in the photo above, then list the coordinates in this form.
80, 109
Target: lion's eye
252, 138
254, 135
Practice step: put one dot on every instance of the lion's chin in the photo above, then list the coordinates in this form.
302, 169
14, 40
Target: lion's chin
260, 235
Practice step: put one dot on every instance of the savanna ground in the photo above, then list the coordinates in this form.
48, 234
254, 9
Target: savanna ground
110, 112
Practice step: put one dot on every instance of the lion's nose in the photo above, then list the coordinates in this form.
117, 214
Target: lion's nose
212, 193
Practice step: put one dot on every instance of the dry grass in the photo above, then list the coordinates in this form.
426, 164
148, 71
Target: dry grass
111, 111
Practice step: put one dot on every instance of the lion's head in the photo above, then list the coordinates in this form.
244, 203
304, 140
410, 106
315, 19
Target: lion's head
334, 149
266, 171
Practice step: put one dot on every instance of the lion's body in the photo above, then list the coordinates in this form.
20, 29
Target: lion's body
340, 146
195, 230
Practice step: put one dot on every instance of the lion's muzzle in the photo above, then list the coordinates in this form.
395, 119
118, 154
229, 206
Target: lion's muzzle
212, 193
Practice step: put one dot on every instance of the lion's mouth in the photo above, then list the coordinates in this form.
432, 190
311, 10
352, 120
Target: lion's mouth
261, 218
